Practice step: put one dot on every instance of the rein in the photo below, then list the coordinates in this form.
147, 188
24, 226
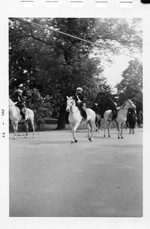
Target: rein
71, 109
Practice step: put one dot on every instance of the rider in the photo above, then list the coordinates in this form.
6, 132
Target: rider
80, 101
20, 101
114, 108
114, 111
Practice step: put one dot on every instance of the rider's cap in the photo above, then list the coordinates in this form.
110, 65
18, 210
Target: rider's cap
79, 89
19, 91
20, 85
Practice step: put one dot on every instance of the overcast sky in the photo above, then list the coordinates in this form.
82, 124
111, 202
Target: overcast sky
114, 71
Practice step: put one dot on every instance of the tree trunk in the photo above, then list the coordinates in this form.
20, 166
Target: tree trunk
62, 118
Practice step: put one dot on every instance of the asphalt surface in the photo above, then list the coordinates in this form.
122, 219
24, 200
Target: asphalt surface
50, 177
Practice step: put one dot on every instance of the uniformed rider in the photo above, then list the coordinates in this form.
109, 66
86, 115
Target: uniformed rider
80, 102
20, 102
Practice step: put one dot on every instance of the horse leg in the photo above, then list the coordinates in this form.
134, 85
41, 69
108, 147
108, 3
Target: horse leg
99, 124
33, 127
96, 124
122, 126
96, 127
74, 133
105, 126
90, 131
109, 123
118, 130
129, 130
27, 127
15, 128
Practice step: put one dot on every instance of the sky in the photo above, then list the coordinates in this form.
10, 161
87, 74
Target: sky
114, 71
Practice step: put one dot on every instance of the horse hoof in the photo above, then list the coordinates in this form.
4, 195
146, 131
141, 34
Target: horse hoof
121, 137
74, 141
109, 136
118, 137
90, 139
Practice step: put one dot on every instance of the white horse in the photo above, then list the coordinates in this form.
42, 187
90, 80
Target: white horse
75, 119
120, 119
15, 117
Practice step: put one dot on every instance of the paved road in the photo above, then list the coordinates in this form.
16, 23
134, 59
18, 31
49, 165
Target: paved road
49, 176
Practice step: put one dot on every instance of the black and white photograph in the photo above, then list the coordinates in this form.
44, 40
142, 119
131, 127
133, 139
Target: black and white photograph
75, 117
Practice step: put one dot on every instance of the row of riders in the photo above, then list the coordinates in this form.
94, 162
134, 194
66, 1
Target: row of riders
85, 113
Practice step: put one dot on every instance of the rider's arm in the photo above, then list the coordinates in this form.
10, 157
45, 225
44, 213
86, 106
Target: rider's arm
78, 99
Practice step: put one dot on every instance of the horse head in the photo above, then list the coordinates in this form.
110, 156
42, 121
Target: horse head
128, 104
70, 103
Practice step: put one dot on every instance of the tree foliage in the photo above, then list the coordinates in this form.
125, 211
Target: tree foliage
43, 57
131, 86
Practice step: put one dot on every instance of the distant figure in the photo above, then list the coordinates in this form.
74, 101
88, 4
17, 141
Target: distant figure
139, 118
98, 116
131, 120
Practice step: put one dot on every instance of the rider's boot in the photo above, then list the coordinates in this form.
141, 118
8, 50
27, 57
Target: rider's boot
114, 112
84, 114
23, 115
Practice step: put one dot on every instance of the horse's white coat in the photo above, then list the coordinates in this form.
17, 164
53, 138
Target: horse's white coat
75, 118
15, 117
121, 118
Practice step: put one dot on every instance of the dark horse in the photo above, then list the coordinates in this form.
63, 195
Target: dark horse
98, 122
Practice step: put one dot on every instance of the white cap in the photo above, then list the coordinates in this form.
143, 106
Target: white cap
19, 90
79, 89
20, 85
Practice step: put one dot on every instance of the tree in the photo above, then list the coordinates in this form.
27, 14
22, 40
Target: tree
57, 64
131, 86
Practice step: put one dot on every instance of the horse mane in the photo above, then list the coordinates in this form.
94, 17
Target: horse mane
128, 100
73, 97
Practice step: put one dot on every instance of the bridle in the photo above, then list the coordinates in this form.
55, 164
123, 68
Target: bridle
70, 108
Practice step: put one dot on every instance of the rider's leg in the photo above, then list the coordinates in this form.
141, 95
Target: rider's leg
83, 111
22, 112
114, 112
